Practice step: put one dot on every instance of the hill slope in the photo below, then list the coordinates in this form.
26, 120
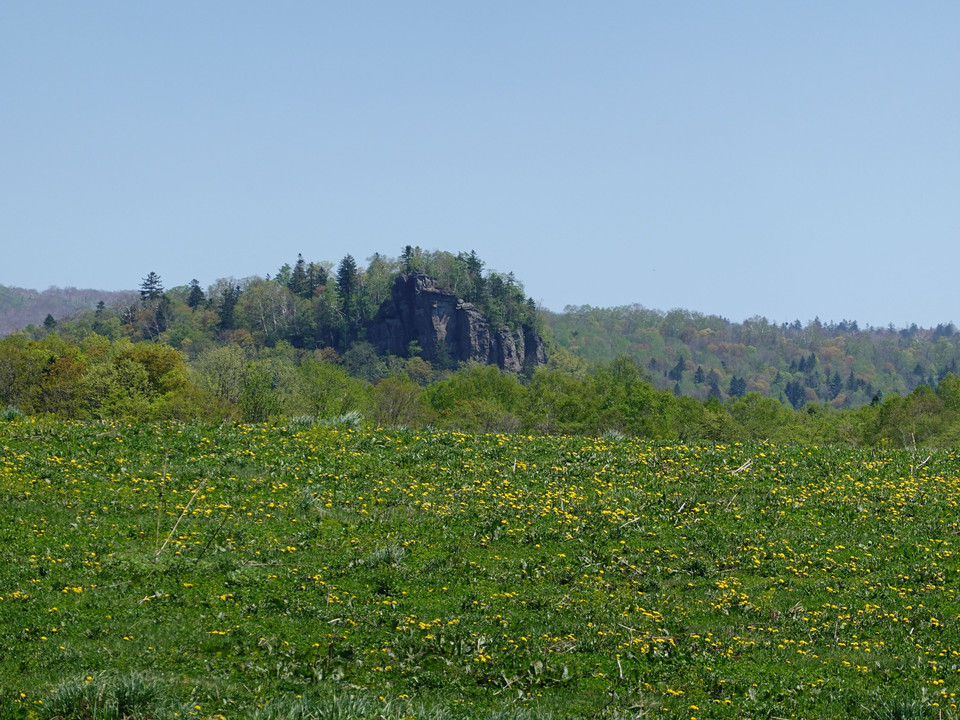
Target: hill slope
706, 355
20, 307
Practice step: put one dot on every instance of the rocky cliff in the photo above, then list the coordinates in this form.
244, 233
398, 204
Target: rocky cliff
449, 330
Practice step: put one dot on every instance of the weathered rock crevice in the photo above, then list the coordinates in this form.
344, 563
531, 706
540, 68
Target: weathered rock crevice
449, 330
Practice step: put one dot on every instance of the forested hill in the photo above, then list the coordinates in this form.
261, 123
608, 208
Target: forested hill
705, 355
342, 313
440, 308
20, 307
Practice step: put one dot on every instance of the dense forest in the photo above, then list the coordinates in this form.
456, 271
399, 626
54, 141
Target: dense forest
707, 356
296, 345
20, 307
310, 305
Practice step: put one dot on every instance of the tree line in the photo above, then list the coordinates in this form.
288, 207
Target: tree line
294, 345
20, 307
121, 379
702, 356
309, 305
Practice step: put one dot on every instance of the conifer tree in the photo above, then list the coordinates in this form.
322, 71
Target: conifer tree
228, 303
196, 297
316, 276
676, 373
299, 281
151, 288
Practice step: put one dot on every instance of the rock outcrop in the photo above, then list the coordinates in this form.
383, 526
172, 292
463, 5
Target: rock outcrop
449, 330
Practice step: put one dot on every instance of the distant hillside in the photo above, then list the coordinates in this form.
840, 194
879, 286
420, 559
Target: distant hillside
20, 307
706, 355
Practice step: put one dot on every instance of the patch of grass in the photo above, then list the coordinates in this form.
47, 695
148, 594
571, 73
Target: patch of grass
301, 422
104, 696
349, 420
903, 708
239, 571
10, 413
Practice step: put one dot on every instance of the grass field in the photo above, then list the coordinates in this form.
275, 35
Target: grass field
154, 571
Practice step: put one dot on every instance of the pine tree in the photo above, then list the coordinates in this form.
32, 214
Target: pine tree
676, 373
406, 257
155, 313
316, 276
347, 277
299, 283
714, 391
738, 386
713, 377
228, 303
477, 284
348, 287
851, 382
196, 297
151, 288
795, 394
836, 384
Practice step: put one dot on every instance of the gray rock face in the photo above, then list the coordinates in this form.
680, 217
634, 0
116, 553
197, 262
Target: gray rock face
448, 329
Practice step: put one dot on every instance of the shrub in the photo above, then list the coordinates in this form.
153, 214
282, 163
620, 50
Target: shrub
10, 413
301, 422
352, 420
104, 696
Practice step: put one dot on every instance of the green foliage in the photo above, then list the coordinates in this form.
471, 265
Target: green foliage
328, 390
261, 349
478, 398
105, 696
10, 414
902, 709
397, 401
219, 372
839, 363
269, 312
101, 379
352, 420
559, 402
258, 399
21, 308
152, 287
362, 361
196, 298
22, 365
311, 306
498, 296
226, 309
762, 418
123, 379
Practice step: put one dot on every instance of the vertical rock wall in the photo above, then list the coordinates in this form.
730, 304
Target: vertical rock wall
448, 329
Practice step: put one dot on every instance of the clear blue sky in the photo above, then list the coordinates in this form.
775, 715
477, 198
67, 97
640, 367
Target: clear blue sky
784, 159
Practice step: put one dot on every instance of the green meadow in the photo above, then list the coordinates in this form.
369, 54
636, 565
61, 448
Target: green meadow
316, 571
